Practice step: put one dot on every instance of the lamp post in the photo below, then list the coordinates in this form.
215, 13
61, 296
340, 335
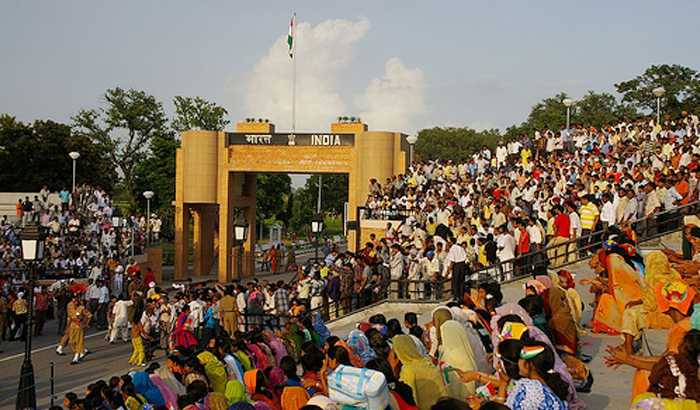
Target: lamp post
148, 195
658, 93
316, 228
115, 224
74, 155
411, 139
240, 235
32, 252
568, 102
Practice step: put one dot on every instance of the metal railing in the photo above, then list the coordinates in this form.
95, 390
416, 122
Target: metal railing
567, 252
393, 290
385, 214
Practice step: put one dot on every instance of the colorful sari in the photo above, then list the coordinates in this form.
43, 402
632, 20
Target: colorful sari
624, 286
182, 334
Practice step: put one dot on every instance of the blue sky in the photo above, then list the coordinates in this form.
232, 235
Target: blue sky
409, 65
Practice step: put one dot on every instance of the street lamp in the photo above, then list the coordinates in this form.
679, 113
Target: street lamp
658, 93
568, 102
411, 139
148, 195
32, 252
115, 224
240, 235
74, 155
316, 228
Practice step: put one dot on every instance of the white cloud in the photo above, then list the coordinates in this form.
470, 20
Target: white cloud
322, 52
394, 101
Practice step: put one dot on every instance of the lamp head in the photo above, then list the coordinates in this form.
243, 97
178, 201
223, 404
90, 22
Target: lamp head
411, 139
74, 155
568, 102
148, 194
659, 92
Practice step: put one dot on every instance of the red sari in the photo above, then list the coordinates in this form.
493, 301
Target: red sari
182, 334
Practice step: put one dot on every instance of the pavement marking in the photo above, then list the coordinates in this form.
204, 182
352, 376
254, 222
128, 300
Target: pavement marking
41, 349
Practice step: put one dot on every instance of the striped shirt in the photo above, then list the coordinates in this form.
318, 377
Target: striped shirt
588, 214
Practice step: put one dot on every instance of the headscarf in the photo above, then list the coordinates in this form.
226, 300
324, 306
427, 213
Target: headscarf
418, 372
295, 337
276, 377
457, 351
293, 398
214, 370
440, 315
168, 394
170, 380
145, 387
250, 378
320, 327
235, 392
465, 318
562, 321
276, 346
360, 345
216, 401
545, 280
566, 279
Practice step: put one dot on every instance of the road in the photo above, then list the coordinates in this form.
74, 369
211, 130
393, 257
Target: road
104, 360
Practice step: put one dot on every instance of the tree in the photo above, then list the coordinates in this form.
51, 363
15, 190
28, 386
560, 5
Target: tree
682, 85
456, 144
334, 194
598, 109
125, 126
198, 114
548, 113
273, 192
36, 154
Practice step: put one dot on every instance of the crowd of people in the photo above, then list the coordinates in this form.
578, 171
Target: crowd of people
83, 231
543, 190
475, 352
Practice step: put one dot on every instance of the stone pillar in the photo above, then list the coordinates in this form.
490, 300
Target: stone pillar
154, 260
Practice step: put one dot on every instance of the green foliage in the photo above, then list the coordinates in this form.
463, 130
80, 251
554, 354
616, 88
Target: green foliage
682, 85
334, 192
272, 196
36, 154
157, 172
125, 127
599, 109
457, 144
198, 114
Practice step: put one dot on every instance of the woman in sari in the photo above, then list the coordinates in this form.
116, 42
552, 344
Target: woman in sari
145, 387
360, 345
457, 354
674, 382
214, 370
515, 313
419, 373
255, 384
182, 334
276, 345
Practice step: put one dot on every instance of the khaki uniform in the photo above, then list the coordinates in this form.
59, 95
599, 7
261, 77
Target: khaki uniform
78, 318
229, 313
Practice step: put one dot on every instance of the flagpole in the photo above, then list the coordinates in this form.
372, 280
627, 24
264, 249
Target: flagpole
294, 75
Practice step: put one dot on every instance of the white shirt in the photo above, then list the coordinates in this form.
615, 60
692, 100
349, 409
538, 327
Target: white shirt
607, 213
104, 294
575, 221
120, 311
196, 312
456, 254
535, 234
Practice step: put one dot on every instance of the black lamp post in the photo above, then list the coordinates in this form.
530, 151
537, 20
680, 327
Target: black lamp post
316, 228
240, 235
32, 252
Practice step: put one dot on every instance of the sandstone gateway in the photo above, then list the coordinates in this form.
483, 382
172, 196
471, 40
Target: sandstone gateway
215, 182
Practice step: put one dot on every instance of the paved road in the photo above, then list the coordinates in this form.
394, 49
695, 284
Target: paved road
104, 360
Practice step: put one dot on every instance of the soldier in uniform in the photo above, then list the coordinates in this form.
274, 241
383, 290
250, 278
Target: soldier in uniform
78, 320
228, 311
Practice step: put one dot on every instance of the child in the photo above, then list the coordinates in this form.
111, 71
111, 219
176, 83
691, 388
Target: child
138, 355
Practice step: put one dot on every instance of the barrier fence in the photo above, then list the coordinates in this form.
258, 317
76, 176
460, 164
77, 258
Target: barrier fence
564, 252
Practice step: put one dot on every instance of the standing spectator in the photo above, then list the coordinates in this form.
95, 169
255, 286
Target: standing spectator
41, 309
589, 219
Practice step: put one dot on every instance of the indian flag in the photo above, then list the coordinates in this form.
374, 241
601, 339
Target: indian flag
292, 34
